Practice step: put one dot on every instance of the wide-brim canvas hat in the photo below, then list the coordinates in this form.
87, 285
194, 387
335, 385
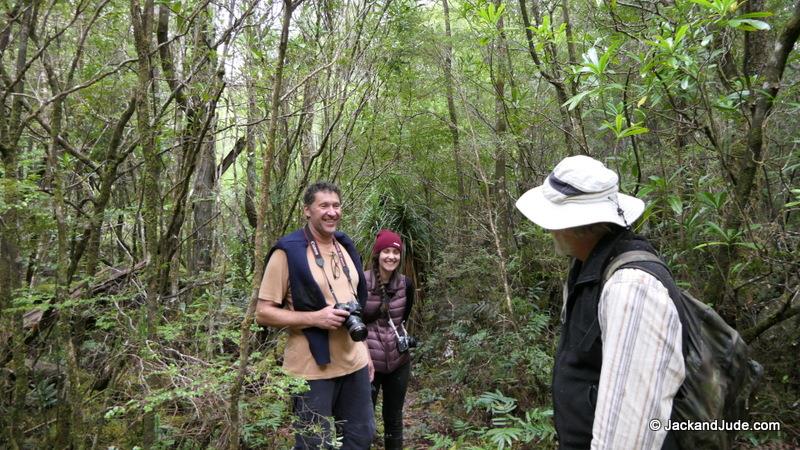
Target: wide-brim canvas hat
579, 191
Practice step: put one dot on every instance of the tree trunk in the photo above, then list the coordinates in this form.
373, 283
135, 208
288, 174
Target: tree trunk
755, 44
575, 116
250, 186
142, 20
558, 85
10, 227
718, 289
70, 420
451, 106
250, 137
500, 75
203, 208
204, 193
307, 144
90, 241
264, 200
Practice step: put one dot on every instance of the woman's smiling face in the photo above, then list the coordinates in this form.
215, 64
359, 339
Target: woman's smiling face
389, 259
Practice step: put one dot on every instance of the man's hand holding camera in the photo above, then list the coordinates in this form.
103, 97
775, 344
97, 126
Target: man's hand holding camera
349, 314
329, 318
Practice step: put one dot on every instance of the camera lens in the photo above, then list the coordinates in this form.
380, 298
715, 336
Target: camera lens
356, 328
358, 331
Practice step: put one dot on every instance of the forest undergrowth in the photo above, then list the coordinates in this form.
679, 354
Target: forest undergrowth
152, 151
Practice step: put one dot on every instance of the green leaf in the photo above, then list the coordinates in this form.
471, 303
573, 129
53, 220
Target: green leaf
591, 57
633, 131
604, 58
709, 244
748, 24
680, 33
717, 229
676, 204
492, 14
576, 99
755, 15
750, 245
713, 200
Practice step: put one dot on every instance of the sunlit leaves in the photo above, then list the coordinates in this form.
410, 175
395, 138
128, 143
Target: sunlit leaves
744, 22
620, 130
546, 32
576, 99
595, 64
670, 43
796, 201
490, 13
721, 7
748, 24
484, 16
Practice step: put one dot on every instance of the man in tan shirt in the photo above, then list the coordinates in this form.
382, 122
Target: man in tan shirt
308, 272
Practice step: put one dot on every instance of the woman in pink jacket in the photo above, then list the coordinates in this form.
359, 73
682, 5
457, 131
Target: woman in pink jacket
390, 296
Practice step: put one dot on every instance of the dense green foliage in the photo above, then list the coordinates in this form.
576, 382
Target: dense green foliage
148, 161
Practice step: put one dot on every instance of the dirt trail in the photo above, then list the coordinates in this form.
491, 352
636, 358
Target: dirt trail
420, 418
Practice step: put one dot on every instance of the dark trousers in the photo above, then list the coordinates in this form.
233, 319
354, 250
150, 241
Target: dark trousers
347, 400
394, 386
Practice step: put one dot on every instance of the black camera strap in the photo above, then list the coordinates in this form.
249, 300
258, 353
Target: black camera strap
321, 262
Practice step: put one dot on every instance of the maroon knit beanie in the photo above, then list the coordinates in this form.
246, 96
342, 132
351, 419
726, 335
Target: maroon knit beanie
385, 239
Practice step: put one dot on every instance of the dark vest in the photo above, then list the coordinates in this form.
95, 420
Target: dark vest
381, 339
576, 373
306, 293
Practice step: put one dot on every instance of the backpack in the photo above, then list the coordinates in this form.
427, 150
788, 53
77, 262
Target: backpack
720, 377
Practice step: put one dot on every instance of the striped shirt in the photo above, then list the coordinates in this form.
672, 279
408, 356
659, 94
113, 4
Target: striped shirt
642, 365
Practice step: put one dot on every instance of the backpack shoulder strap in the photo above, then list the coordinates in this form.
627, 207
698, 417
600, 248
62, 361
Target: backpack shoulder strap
629, 257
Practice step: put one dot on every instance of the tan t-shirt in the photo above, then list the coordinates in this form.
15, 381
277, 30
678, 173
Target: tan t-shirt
347, 356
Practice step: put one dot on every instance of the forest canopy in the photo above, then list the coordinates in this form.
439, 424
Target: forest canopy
152, 152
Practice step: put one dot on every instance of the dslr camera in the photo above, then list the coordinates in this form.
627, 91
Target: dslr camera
406, 342
355, 326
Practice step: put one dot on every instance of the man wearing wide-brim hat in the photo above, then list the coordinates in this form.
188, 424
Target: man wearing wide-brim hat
619, 361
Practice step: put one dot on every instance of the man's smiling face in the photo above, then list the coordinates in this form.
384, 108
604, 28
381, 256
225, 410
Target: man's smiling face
324, 213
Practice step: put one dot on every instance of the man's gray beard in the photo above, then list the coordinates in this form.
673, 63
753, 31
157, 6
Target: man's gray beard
561, 247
